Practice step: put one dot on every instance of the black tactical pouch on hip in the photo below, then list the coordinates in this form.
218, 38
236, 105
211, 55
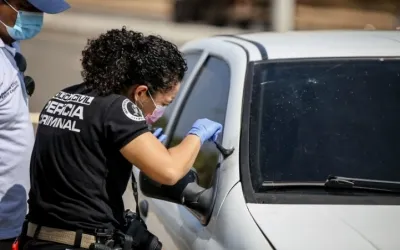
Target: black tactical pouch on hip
134, 234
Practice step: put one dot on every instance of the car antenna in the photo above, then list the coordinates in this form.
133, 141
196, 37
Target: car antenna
226, 152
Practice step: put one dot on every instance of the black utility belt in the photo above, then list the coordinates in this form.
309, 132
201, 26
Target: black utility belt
78, 239
133, 236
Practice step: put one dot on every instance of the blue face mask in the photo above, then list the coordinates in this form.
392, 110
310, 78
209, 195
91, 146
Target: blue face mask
27, 25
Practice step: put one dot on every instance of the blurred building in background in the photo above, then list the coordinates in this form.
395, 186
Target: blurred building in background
260, 14
308, 14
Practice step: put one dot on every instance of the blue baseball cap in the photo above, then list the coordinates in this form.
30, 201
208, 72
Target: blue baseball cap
50, 6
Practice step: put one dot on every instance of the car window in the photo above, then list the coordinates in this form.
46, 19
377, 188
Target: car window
191, 60
333, 117
208, 98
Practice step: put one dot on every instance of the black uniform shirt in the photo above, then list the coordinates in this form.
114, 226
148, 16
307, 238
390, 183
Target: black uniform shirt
78, 175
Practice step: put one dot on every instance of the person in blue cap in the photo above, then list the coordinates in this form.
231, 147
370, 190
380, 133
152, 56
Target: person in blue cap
19, 20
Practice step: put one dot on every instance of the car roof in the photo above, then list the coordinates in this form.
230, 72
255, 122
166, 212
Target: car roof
317, 44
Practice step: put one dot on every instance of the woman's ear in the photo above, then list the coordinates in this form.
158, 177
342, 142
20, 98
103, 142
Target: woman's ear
139, 91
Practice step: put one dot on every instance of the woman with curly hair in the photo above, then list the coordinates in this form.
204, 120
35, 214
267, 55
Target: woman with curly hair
90, 134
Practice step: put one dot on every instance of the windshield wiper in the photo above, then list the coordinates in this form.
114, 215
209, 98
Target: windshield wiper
338, 182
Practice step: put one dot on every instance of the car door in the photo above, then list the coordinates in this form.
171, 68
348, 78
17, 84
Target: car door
204, 94
206, 97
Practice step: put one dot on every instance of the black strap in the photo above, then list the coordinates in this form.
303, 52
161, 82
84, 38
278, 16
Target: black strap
37, 231
135, 194
78, 238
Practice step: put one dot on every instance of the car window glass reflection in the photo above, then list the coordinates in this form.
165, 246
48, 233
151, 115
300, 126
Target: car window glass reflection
207, 99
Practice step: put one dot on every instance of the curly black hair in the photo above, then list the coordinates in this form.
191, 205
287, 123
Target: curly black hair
121, 58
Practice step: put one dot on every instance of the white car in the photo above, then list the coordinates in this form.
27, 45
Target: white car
313, 121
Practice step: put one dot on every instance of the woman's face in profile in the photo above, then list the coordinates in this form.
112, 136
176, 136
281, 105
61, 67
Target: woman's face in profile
159, 98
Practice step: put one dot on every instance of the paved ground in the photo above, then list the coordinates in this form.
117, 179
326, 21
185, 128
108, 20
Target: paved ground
53, 62
91, 24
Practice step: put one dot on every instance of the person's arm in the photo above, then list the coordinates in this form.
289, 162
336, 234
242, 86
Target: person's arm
126, 130
169, 166
162, 165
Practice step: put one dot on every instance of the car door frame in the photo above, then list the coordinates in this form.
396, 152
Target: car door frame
173, 225
228, 172
188, 230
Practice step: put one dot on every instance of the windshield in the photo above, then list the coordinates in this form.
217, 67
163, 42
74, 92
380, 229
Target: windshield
315, 118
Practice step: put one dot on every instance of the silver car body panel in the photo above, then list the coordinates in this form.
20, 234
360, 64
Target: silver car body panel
329, 227
237, 225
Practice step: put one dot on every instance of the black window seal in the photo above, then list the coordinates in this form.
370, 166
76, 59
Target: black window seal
244, 156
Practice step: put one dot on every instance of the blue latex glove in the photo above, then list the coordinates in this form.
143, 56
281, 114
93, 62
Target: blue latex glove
206, 130
160, 136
